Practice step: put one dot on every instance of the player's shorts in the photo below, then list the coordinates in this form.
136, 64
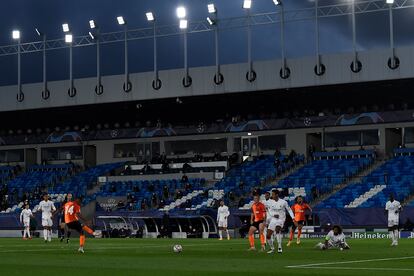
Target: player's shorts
47, 222
222, 223
26, 223
339, 244
393, 222
256, 224
276, 223
75, 225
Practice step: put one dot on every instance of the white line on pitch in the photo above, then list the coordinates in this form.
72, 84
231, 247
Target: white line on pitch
360, 268
349, 262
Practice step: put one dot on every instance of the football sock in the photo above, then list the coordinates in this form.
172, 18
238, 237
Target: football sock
279, 240
24, 233
251, 240
220, 234
392, 235
28, 232
82, 240
299, 233
396, 235
292, 233
45, 234
262, 239
49, 235
87, 229
271, 244
227, 233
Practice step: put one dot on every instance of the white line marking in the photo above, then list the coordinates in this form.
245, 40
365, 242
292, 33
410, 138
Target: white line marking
360, 268
349, 262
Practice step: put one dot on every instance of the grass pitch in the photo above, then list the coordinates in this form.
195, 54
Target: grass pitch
201, 257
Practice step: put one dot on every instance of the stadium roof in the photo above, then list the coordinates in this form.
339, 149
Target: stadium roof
48, 16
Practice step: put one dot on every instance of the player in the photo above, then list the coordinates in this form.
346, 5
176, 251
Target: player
64, 232
394, 208
257, 221
334, 239
299, 210
25, 216
48, 209
222, 216
72, 217
266, 202
277, 211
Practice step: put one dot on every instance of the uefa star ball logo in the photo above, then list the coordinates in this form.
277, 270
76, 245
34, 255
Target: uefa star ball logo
307, 121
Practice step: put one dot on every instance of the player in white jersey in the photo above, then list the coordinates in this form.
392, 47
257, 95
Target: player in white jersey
222, 216
25, 216
266, 204
48, 209
394, 208
277, 209
334, 239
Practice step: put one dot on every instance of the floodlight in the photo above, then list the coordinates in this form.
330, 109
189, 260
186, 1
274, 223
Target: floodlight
150, 16
92, 24
210, 21
121, 20
68, 38
211, 8
181, 12
16, 34
277, 2
390, 1
183, 24
91, 35
39, 33
65, 28
247, 4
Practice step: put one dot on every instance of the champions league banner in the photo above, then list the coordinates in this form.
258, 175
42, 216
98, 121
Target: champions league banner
253, 125
111, 202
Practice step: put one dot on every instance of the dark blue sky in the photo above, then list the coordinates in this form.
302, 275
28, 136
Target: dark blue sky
48, 15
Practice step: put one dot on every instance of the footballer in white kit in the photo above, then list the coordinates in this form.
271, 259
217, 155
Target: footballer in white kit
47, 208
222, 217
25, 216
393, 207
277, 209
266, 202
334, 239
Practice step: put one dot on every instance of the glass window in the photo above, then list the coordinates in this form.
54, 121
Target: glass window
125, 150
63, 153
196, 146
272, 142
409, 135
11, 156
370, 137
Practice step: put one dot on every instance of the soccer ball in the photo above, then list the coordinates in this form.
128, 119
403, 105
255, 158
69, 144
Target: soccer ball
177, 248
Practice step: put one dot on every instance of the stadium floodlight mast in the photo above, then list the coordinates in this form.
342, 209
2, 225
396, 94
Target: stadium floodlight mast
213, 21
45, 92
320, 68
251, 74
127, 83
69, 41
393, 62
94, 34
156, 83
17, 36
183, 24
356, 64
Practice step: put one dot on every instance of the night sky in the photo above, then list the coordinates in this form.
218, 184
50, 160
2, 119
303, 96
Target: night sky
48, 15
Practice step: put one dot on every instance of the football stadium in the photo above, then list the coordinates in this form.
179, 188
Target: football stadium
184, 137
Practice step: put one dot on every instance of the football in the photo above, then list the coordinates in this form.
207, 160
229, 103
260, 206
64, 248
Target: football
177, 248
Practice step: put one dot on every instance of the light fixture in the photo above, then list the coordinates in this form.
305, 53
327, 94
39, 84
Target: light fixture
68, 38
211, 8
181, 12
183, 24
16, 34
247, 4
211, 21
92, 24
65, 27
277, 2
91, 35
150, 16
120, 20
390, 1
39, 33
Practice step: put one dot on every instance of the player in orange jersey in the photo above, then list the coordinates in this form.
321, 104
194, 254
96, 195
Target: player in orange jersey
72, 211
257, 222
299, 210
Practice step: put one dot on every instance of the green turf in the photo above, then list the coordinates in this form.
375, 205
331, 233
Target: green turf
199, 257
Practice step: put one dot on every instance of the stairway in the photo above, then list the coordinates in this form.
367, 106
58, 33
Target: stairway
364, 197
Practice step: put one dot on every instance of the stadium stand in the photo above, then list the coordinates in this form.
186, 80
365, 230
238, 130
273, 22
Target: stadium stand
394, 176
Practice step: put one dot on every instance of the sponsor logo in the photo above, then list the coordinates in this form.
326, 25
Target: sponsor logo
375, 235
